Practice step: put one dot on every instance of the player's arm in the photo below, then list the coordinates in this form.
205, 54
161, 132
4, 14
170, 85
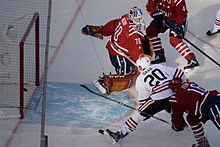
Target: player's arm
174, 72
143, 93
109, 28
151, 7
177, 119
157, 15
92, 31
148, 48
140, 46
100, 31
180, 10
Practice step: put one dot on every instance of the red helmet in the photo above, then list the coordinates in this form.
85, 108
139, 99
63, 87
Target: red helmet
175, 84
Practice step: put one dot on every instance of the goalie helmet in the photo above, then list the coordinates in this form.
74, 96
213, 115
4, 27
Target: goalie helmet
142, 62
136, 16
175, 84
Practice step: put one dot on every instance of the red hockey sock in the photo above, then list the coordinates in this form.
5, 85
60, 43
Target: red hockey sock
182, 48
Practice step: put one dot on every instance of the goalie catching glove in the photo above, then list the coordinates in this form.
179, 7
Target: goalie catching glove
92, 31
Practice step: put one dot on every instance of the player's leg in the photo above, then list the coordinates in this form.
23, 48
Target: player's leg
217, 22
152, 32
147, 106
180, 46
122, 65
129, 126
152, 107
216, 28
113, 82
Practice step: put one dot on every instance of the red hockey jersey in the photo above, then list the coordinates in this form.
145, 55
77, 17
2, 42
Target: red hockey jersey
189, 98
173, 9
125, 36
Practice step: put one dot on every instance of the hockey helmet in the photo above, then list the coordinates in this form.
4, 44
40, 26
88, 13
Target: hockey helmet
136, 15
175, 84
142, 62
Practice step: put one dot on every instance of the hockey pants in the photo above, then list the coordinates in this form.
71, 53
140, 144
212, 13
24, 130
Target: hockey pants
122, 65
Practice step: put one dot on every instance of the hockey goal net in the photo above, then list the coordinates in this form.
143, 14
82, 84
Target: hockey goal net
19, 64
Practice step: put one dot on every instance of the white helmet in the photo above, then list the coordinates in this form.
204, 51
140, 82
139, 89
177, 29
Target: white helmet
136, 15
143, 62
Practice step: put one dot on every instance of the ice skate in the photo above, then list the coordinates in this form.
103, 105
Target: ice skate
116, 136
192, 63
204, 143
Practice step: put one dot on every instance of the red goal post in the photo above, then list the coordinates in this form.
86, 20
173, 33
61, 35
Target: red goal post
34, 21
19, 64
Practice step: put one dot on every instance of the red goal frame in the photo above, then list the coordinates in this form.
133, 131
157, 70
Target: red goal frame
34, 21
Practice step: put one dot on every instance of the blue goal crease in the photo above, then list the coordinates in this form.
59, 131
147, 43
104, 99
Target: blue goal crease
71, 105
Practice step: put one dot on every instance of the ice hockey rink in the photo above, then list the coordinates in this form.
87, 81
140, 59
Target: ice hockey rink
73, 115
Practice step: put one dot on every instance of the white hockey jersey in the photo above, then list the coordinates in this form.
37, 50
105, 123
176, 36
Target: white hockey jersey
153, 81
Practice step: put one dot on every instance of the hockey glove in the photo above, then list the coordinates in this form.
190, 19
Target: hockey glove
158, 19
92, 31
178, 30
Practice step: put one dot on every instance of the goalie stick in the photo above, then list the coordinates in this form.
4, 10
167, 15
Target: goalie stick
103, 96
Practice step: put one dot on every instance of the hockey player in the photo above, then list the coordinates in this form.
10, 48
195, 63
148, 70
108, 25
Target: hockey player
200, 104
153, 94
169, 14
126, 39
216, 28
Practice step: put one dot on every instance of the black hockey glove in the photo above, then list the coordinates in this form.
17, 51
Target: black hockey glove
158, 19
178, 30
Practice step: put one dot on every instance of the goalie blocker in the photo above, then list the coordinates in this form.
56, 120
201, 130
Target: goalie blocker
114, 82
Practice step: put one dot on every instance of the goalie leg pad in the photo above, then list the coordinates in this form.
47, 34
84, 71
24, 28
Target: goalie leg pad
119, 82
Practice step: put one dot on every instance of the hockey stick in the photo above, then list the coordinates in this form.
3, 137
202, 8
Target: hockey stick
123, 53
127, 57
194, 46
103, 96
201, 51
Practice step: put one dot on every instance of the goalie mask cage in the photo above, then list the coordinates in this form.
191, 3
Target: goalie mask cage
19, 64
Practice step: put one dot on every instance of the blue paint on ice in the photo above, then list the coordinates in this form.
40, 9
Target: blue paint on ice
70, 104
